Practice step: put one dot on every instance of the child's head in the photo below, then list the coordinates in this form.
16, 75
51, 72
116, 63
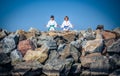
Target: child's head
52, 17
66, 18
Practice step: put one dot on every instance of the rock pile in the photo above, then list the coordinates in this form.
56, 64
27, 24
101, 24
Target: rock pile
60, 53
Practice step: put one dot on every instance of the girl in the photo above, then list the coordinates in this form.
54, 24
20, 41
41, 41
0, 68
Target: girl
51, 24
66, 25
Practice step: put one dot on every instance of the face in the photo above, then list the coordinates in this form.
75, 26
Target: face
51, 18
66, 19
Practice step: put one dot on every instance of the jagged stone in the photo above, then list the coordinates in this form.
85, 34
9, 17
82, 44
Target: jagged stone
32, 55
93, 45
100, 67
27, 68
89, 35
5, 64
75, 69
9, 43
25, 45
88, 59
16, 56
58, 67
114, 48
108, 35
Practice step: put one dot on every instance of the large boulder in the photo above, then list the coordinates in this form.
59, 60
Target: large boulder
43, 39
75, 50
5, 64
58, 67
68, 35
115, 61
108, 34
88, 59
16, 56
25, 45
55, 66
93, 45
96, 65
27, 69
64, 51
114, 48
100, 67
9, 43
32, 55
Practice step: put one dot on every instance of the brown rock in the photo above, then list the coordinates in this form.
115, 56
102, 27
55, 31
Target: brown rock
39, 54
52, 33
29, 35
85, 60
109, 42
24, 46
69, 35
65, 52
32, 55
108, 35
93, 45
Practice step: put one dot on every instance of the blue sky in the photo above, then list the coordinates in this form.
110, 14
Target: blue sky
23, 14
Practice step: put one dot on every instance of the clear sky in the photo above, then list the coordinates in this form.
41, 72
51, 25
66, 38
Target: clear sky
23, 14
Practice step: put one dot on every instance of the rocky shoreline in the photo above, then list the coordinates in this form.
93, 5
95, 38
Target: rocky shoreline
60, 53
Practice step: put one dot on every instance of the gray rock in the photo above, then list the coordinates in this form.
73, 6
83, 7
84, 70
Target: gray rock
75, 69
60, 40
115, 73
16, 56
27, 68
5, 64
43, 39
57, 67
117, 30
9, 43
34, 40
75, 48
89, 34
51, 44
114, 48
100, 67
61, 47
115, 61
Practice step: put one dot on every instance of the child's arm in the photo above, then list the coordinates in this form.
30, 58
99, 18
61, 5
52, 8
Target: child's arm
70, 25
48, 25
62, 26
55, 23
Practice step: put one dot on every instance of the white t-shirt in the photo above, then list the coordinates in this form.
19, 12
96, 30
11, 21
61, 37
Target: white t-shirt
66, 25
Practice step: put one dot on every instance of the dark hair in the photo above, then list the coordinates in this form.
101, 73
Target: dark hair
52, 16
66, 17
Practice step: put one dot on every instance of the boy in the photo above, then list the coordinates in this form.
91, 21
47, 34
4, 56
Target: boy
51, 24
